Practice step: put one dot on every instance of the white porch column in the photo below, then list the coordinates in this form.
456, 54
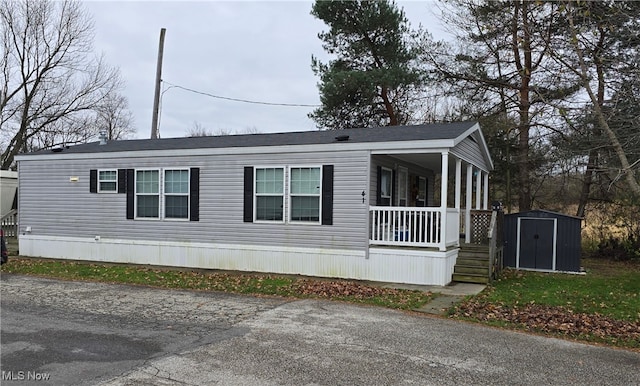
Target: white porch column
467, 206
458, 191
458, 182
478, 188
485, 199
444, 181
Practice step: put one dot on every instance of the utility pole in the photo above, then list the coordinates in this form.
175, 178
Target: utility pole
156, 98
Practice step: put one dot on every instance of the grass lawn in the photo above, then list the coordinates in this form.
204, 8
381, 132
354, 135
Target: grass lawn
601, 306
249, 283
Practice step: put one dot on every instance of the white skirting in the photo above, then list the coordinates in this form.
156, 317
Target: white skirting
398, 265
393, 265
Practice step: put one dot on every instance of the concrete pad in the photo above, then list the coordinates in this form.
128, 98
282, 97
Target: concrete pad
454, 289
440, 304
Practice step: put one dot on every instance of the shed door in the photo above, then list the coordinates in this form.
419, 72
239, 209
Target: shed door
537, 238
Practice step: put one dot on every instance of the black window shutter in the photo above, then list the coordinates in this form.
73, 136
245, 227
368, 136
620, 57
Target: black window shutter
194, 194
327, 195
122, 180
379, 187
131, 191
93, 181
248, 194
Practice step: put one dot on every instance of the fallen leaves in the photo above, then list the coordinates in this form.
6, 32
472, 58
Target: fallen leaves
330, 289
353, 291
553, 320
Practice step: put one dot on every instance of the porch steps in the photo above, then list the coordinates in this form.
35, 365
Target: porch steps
472, 265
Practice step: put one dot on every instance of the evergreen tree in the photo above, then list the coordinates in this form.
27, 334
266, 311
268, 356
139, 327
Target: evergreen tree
374, 74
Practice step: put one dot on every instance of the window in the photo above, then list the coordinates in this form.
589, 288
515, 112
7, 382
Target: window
173, 198
386, 186
176, 194
147, 194
107, 181
172, 194
305, 193
269, 194
304, 190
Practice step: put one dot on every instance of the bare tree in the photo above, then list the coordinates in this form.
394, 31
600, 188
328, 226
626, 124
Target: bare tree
114, 117
602, 41
197, 129
51, 80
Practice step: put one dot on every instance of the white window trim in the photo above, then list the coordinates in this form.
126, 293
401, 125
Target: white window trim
164, 195
426, 189
161, 194
136, 194
99, 185
402, 170
283, 194
319, 195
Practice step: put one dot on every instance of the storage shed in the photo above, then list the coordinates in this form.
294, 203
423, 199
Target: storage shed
542, 240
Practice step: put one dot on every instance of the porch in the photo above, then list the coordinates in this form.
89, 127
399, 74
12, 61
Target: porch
426, 201
423, 227
432, 193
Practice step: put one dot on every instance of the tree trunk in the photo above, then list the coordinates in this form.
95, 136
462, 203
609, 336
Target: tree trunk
524, 67
593, 152
393, 118
586, 184
625, 170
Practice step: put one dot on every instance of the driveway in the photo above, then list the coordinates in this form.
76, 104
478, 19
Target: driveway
76, 333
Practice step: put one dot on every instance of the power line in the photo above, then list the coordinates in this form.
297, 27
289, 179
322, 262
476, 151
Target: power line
237, 99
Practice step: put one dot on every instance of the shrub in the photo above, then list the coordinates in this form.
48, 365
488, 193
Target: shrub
619, 248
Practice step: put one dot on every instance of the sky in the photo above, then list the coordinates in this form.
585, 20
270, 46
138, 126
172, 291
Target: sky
250, 50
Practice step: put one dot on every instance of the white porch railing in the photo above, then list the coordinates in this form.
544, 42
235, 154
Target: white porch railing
9, 223
413, 226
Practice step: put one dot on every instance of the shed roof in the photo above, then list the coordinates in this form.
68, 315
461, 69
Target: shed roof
436, 131
543, 213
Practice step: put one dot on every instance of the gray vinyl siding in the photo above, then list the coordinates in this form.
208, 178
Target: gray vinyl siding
52, 205
469, 151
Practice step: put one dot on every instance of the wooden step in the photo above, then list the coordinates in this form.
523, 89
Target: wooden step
473, 256
471, 262
469, 247
468, 278
463, 270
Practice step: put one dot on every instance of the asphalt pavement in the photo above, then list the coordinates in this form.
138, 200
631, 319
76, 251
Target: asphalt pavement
78, 333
